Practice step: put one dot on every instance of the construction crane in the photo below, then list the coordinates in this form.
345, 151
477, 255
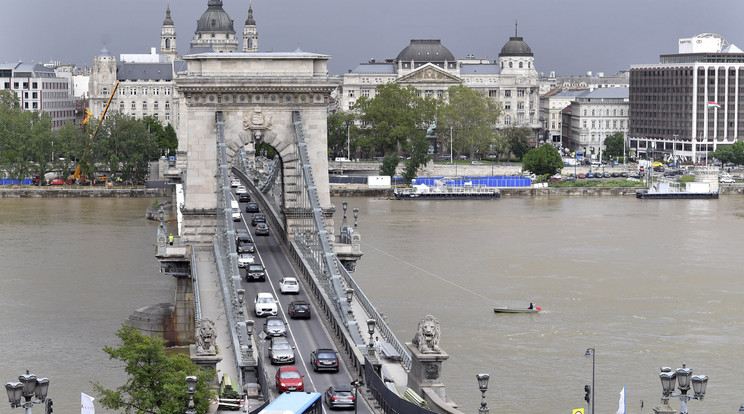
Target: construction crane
78, 173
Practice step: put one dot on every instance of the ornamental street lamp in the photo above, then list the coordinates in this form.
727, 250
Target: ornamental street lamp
191, 389
684, 377
249, 330
28, 387
356, 384
349, 296
371, 330
483, 387
590, 353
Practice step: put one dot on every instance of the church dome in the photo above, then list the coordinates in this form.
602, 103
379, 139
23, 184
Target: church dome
168, 21
215, 19
423, 51
516, 46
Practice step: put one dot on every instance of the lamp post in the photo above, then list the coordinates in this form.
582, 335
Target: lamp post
349, 296
28, 387
684, 377
590, 353
483, 387
371, 330
191, 389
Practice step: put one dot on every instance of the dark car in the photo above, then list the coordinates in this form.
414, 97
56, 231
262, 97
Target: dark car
298, 309
244, 197
255, 271
251, 208
258, 218
275, 326
339, 396
245, 244
324, 359
262, 229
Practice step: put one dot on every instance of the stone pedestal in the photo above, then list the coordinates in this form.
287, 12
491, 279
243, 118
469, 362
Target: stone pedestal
664, 409
206, 362
426, 371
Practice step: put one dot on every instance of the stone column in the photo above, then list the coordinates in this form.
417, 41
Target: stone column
426, 371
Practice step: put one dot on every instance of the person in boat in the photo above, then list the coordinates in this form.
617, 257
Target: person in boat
532, 306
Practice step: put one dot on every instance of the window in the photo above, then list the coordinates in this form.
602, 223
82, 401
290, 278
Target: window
25, 85
15, 85
511, 64
167, 105
35, 105
520, 118
104, 91
35, 95
121, 107
520, 65
584, 124
440, 94
134, 106
167, 91
520, 105
594, 124
156, 105
156, 91
144, 106
507, 120
507, 105
156, 116
144, 91
520, 93
493, 93
507, 93
429, 93
351, 93
35, 85
365, 93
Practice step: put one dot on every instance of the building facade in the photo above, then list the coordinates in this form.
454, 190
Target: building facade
431, 68
592, 117
690, 102
39, 88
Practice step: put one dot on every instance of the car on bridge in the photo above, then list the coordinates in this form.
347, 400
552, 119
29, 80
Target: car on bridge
289, 379
324, 359
289, 285
339, 396
258, 218
262, 229
251, 207
264, 304
298, 309
255, 271
280, 351
244, 197
234, 182
275, 326
245, 259
241, 189
245, 245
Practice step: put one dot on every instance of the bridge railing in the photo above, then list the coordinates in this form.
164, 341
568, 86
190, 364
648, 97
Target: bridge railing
195, 281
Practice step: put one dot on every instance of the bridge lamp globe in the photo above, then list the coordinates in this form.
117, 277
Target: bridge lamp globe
249, 327
699, 384
241, 296
349, 295
191, 384
371, 327
483, 382
15, 392
683, 378
667, 377
42, 386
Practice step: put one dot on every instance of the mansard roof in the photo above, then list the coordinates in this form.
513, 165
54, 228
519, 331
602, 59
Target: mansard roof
144, 71
425, 50
476, 69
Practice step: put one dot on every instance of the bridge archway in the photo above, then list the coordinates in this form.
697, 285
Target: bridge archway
256, 94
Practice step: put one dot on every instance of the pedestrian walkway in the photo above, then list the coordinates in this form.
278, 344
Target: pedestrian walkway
213, 307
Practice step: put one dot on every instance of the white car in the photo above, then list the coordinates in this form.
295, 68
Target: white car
728, 180
241, 189
264, 304
244, 259
289, 285
234, 182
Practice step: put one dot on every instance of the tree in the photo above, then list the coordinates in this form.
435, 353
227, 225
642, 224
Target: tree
124, 144
39, 143
389, 165
472, 117
518, 140
69, 144
167, 141
341, 129
156, 382
543, 160
394, 115
419, 156
730, 153
614, 145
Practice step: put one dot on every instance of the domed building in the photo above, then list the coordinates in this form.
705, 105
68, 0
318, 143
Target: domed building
432, 68
214, 30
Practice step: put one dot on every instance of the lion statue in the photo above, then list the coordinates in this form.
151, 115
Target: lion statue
205, 337
427, 336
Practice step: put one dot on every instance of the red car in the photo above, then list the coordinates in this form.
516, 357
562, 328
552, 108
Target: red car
582, 176
289, 379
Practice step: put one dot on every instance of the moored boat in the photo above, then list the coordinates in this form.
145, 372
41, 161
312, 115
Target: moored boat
442, 191
504, 309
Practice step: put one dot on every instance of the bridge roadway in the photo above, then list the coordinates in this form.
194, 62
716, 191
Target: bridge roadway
305, 335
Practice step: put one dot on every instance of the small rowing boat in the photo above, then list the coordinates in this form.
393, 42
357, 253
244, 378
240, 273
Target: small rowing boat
504, 309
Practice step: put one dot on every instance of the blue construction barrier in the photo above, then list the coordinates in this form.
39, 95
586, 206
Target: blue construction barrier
493, 181
8, 181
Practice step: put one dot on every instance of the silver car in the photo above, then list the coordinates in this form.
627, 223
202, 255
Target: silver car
275, 326
280, 351
244, 259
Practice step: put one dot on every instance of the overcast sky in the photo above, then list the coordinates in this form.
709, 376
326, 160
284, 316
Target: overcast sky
570, 37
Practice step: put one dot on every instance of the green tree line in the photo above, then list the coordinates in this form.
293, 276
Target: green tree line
122, 148
396, 120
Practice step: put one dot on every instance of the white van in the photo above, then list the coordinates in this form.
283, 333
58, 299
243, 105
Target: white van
235, 210
596, 164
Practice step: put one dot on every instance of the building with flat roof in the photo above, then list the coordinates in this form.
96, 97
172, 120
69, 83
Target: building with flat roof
592, 117
690, 102
39, 88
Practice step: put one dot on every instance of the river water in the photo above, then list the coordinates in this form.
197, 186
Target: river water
645, 283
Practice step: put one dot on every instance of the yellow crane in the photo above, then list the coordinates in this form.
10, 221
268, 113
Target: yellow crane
77, 174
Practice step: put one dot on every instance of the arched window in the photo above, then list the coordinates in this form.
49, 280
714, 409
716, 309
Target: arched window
510, 64
520, 65
507, 120
592, 112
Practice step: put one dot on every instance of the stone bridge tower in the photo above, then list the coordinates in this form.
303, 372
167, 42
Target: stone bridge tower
256, 94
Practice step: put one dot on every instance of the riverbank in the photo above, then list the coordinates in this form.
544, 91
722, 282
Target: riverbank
83, 192
363, 191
